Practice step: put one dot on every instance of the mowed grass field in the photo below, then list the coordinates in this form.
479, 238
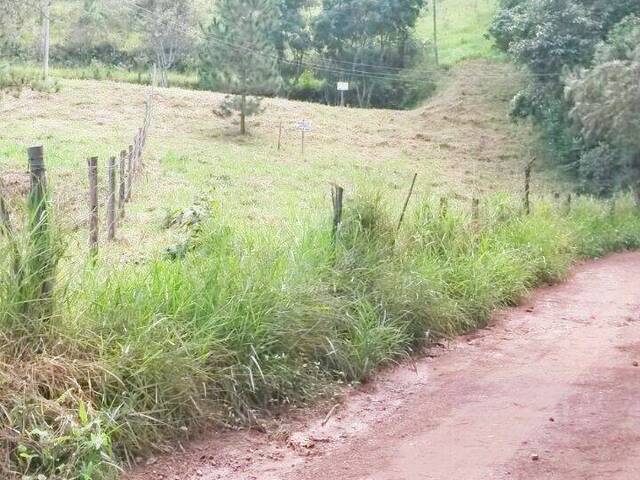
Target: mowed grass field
459, 142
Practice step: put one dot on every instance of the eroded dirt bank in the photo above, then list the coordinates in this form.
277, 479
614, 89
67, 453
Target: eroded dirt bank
551, 390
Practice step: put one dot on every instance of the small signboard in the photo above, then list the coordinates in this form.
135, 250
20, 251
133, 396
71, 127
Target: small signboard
304, 125
343, 86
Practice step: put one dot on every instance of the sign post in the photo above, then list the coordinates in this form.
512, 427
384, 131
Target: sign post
342, 87
304, 126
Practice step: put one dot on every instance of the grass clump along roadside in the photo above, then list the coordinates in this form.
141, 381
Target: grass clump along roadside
243, 323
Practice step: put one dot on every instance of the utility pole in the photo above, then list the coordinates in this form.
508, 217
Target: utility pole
435, 30
46, 38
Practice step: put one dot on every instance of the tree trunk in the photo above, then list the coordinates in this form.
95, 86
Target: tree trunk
243, 107
46, 38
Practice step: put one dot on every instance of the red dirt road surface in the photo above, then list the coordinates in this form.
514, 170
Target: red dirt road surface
551, 390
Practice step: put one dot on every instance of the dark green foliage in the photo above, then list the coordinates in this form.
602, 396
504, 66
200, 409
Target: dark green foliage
547, 35
606, 102
601, 171
368, 43
588, 117
291, 38
239, 56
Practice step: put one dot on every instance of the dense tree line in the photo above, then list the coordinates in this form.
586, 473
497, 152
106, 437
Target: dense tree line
584, 60
316, 43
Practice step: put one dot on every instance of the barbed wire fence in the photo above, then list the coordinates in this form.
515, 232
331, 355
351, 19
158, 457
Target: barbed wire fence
123, 170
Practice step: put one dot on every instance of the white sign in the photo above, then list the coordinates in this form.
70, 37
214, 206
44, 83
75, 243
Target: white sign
343, 86
304, 125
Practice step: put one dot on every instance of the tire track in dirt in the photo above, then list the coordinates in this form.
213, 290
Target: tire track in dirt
548, 391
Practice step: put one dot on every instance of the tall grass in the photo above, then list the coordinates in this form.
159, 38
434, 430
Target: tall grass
103, 72
249, 322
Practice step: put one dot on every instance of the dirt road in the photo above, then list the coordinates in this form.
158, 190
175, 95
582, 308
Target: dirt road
551, 390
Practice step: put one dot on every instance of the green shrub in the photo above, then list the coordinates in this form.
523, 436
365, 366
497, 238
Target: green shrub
249, 322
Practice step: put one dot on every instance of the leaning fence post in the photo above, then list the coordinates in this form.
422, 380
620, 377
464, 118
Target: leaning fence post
134, 159
337, 194
111, 201
568, 203
280, 136
527, 186
139, 150
122, 193
93, 205
129, 173
406, 202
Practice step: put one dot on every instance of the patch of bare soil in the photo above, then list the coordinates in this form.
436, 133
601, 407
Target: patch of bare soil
14, 184
548, 391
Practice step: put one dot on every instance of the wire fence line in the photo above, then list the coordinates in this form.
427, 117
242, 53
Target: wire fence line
123, 169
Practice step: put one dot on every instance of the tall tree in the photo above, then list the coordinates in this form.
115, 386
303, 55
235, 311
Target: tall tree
606, 102
46, 37
371, 35
12, 13
168, 27
291, 38
239, 56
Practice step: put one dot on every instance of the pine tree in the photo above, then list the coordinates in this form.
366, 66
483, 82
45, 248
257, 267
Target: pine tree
239, 57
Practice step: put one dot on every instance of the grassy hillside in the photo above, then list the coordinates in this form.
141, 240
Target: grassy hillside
462, 26
458, 142
269, 308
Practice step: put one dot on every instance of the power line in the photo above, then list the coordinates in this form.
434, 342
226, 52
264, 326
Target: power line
328, 66
318, 66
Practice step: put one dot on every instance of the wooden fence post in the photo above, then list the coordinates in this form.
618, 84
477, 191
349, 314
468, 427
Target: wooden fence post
39, 226
527, 186
280, 136
568, 203
406, 202
129, 173
337, 194
38, 185
134, 159
111, 201
141, 141
93, 205
122, 194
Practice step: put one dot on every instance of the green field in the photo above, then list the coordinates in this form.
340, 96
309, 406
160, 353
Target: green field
462, 28
459, 142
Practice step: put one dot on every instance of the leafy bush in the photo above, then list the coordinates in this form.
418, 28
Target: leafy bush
586, 114
13, 80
